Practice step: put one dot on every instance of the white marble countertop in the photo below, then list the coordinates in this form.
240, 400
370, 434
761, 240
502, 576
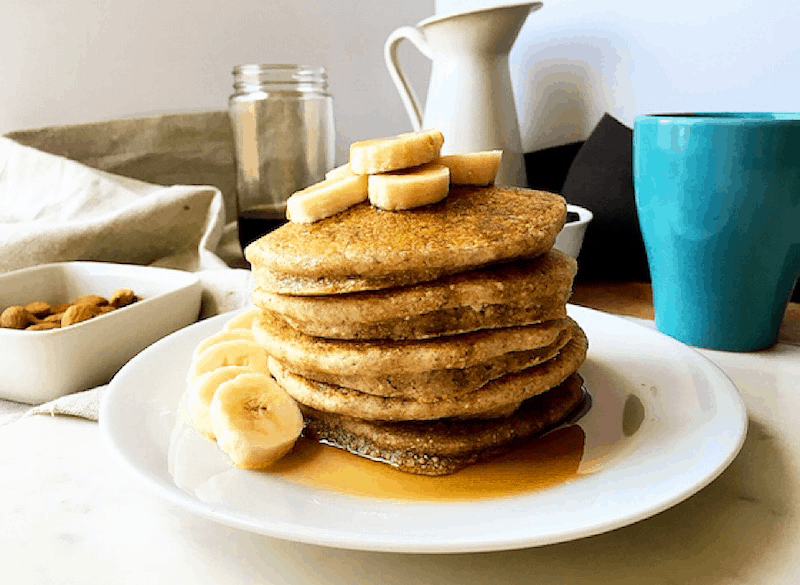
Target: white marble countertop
71, 514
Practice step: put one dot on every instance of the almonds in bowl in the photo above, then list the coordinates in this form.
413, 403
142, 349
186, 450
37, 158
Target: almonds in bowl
75, 323
42, 316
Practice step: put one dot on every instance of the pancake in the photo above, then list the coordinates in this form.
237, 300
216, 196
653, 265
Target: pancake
497, 398
444, 446
364, 248
374, 358
526, 291
434, 385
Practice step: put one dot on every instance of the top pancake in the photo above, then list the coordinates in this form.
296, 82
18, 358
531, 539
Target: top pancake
502, 295
364, 248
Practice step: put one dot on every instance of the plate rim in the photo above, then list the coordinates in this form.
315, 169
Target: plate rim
430, 543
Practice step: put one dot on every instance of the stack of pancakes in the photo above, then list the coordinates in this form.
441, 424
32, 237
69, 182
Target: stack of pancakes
429, 338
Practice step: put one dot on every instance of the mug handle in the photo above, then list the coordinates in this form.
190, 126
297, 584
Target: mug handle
405, 90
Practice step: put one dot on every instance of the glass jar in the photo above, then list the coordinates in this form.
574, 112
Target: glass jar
284, 140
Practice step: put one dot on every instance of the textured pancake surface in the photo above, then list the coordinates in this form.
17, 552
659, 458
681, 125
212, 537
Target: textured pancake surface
364, 248
380, 357
445, 446
515, 293
434, 385
497, 398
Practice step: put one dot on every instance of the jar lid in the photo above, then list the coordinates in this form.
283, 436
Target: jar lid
279, 77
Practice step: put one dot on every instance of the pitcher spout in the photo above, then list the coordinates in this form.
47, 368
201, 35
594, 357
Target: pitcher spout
490, 29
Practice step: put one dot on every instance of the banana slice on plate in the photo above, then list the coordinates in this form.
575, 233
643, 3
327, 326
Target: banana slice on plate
473, 168
409, 188
326, 198
254, 420
201, 392
232, 335
381, 155
242, 321
237, 352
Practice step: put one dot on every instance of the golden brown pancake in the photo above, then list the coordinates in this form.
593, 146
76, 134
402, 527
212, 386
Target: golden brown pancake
364, 248
444, 446
381, 357
435, 385
497, 398
526, 291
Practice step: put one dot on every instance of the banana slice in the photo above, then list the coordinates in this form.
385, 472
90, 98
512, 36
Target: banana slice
200, 394
232, 335
340, 172
228, 353
474, 168
409, 188
255, 421
242, 321
397, 152
327, 198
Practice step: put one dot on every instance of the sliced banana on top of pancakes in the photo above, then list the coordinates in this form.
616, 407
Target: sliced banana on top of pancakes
403, 172
380, 155
409, 188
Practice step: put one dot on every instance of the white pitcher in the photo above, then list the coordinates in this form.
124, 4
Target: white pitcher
470, 97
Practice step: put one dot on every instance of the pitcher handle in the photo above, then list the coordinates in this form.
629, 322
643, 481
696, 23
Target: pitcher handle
405, 90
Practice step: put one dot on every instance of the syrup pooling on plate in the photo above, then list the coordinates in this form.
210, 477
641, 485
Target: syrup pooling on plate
537, 464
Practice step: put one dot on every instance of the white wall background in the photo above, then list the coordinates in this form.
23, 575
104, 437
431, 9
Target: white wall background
575, 59
78, 61
90, 60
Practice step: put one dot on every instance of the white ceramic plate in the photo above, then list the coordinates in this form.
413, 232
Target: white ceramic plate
665, 422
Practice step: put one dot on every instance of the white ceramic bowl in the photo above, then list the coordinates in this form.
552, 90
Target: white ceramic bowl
38, 366
570, 239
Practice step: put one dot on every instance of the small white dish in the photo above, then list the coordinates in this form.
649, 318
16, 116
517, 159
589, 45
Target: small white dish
39, 366
570, 239
664, 423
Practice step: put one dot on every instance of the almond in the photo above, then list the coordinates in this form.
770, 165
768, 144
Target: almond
95, 300
38, 308
44, 326
121, 298
79, 313
16, 317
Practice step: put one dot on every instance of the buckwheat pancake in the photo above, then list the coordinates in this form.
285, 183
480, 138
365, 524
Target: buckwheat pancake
444, 446
381, 357
522, 292
434, 385
497, 398
364, 248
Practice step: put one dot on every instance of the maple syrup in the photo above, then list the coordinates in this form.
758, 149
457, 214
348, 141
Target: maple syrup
537, 464
255, 223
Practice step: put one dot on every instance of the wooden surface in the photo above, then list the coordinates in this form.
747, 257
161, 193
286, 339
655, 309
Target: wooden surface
635, 299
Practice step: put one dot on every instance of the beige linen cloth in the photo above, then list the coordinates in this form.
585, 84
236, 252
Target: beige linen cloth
53, 208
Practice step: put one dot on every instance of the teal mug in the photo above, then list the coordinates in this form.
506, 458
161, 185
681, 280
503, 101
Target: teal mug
718, 200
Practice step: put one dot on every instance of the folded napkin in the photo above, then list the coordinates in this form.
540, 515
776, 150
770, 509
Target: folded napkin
55, 209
